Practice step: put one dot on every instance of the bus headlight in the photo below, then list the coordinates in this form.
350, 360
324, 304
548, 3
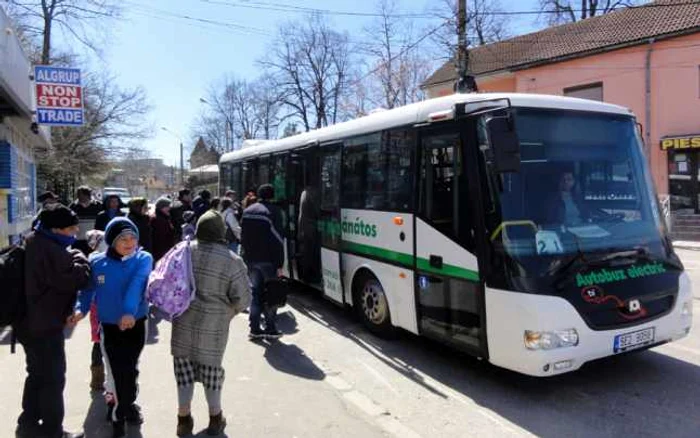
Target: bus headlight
536, 340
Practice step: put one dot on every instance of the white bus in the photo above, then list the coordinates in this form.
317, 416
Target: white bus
523, 229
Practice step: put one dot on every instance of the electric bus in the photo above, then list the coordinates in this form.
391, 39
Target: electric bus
523, 229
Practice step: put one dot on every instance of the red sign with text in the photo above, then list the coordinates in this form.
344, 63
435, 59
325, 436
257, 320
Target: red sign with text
59, 96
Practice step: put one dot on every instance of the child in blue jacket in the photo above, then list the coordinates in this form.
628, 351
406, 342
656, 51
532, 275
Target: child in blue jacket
118, 284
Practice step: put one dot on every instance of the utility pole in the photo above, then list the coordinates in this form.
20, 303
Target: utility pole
182, 166
465, 82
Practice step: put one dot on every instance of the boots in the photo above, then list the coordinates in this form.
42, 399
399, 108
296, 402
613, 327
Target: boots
217, 424
118, 429
98, 377
185, 425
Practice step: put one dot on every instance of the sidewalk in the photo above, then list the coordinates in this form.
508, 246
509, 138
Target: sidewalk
271, 390
686, 244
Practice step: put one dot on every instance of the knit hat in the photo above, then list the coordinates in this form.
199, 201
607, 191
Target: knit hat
266, 191
137, 203
57, 216
211, 227
163, 202
119, 227
46, 196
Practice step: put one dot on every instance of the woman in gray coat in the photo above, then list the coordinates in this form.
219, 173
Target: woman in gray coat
200, 335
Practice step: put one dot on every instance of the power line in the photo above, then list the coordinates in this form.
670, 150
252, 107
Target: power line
280, 7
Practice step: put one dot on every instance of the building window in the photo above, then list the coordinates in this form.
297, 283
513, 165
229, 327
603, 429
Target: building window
588, 91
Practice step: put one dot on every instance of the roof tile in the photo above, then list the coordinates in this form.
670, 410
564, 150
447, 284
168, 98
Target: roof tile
625, 26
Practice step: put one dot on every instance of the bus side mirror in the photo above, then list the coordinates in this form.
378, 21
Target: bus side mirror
504, 143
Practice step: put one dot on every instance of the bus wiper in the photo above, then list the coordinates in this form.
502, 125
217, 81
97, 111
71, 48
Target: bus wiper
635, 253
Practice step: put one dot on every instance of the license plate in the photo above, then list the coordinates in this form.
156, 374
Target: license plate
630, 341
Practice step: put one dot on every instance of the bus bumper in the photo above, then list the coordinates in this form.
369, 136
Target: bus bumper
510, 314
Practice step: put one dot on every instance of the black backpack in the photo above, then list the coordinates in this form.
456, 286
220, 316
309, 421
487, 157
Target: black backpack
13, 299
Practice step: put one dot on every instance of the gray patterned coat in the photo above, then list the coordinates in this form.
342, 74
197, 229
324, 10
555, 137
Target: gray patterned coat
223, 290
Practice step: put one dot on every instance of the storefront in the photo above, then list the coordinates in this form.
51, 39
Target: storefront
683, 171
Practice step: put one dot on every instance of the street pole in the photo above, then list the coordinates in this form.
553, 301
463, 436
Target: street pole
182, 167
465, 82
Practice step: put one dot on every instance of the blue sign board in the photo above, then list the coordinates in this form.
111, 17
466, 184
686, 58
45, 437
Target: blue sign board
59, 96
56, 75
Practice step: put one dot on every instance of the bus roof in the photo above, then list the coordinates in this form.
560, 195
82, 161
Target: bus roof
416, 113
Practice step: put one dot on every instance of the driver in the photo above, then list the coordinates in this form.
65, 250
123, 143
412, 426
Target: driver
566, 207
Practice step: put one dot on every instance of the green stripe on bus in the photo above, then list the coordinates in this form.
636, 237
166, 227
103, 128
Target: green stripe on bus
406, 259
452, 271
394, 256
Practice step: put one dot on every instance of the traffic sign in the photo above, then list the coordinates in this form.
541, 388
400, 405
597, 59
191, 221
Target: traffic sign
59, 96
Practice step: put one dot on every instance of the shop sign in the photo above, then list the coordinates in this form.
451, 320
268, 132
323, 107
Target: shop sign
683, 142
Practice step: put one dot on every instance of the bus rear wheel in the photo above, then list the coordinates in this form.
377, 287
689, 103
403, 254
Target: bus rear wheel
372, 306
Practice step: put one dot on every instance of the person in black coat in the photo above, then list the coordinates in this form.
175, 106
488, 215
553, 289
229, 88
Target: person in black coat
113, 205
138, 214
87, 209
162, 230
202, 203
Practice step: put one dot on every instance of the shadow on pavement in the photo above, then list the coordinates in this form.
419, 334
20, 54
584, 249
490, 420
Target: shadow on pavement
203, 433
643, 394
290, 359
96, 424
287, 323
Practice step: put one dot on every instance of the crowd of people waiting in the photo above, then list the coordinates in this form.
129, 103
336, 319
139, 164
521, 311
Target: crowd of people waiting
71, 272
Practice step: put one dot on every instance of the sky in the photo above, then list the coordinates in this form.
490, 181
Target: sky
177, 59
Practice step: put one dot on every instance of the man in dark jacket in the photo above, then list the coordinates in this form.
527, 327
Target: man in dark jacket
263, 252
87, 210
113, 205
202, 203
53, 276
138, 214
163, 236
177, 212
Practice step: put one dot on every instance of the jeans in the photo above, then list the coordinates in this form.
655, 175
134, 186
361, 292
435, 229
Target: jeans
259, 272
42, 399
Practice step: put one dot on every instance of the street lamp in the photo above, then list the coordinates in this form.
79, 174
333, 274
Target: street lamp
229, 125
182, 157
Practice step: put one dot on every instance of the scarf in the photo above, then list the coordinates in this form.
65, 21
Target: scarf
62, 240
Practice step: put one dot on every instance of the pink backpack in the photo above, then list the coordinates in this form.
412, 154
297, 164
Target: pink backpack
171, 286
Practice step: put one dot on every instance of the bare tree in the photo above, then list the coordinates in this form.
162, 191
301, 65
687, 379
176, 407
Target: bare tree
239, 110
396, 68
484, 25
566, 11
78, 19
309, 63
114, 124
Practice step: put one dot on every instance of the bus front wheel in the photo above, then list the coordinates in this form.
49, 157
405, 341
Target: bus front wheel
372, 305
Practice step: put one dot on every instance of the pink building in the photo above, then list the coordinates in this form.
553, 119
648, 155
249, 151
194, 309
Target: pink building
645, 58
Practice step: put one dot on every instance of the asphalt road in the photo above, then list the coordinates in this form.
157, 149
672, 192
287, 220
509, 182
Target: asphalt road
327, 377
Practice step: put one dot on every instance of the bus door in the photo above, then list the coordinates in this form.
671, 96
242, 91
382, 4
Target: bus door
329, 220
447, 277
303, 191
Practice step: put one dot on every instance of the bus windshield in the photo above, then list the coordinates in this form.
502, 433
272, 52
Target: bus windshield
582, 188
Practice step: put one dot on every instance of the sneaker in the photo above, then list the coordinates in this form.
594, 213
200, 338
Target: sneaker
72, 435
185, 425
272, 334
256, 334
118, 429
217, 424
134, 416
